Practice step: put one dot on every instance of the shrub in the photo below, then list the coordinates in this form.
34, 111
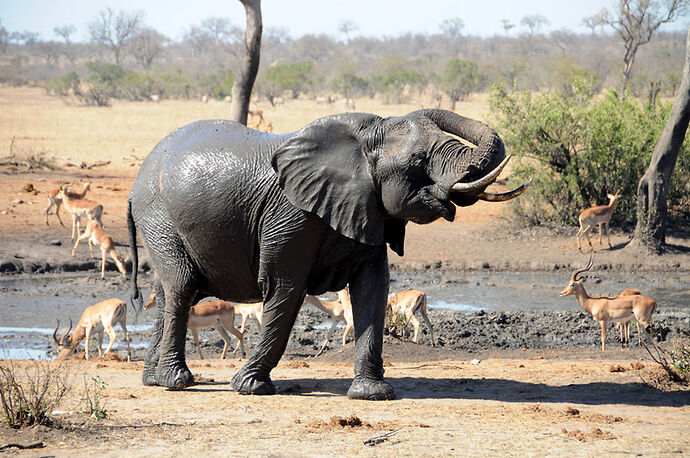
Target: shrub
92, 398
29, 396
580, 147
459, 79
103, 83
290, 76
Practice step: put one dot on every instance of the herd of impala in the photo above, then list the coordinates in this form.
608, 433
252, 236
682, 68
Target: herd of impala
409, 304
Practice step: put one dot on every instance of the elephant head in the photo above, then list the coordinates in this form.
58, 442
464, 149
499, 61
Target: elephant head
366, 176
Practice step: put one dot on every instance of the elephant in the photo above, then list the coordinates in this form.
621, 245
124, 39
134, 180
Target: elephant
248, 216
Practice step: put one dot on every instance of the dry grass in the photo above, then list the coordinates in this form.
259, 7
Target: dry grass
64, 128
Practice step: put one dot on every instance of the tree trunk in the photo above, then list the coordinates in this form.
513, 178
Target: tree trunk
652, 190
244, 82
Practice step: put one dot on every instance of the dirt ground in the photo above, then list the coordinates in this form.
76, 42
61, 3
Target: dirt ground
548, 404
566, 402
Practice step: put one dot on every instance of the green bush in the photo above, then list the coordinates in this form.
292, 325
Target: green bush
295, 77
459, 79
579, 147
63, 86
218, 84
395, 74
103, 83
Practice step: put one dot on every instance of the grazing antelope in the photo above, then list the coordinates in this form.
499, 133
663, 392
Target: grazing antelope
410, 303
79, 208
597, 216
218, 313
607, 309
96, 235
211, 313
53, 199
339, 310
97, 318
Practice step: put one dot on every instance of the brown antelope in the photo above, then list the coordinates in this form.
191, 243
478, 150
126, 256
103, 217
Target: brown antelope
255, 309
79, 208
218, 313
607, 309
410, 303
339, 310
53, 199
97, 318
96, 235
597, 216
624, 326
207, 314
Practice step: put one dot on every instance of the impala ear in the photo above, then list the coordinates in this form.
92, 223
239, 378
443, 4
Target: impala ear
324, 169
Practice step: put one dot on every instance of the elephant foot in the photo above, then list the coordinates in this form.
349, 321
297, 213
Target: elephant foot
245, 383
148, 377
174, 376
370, 390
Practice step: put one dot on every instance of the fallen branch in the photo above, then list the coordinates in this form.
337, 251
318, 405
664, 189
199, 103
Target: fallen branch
382, 438
22, 447
86, 165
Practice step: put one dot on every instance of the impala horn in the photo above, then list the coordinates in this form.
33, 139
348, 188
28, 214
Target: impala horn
589, 266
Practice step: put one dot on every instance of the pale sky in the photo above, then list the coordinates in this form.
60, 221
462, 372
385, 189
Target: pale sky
378, 18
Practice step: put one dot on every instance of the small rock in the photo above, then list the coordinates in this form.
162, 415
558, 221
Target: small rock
475, 361
56, 242
17, 201
28, 188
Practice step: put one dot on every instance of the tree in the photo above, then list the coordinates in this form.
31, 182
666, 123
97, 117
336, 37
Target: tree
199, 39
64, 32
453, 27
244, 82
534, 23
115, 31
294, 77
650, 232
459, 79
636, 21
347, 26
4, 38
507, 25
147, 45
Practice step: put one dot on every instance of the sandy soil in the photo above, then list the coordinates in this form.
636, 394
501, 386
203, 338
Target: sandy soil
513, 402
551, 404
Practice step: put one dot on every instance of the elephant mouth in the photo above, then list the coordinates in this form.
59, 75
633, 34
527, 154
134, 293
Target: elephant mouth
476, 189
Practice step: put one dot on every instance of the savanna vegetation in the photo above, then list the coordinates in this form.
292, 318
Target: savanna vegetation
572, 107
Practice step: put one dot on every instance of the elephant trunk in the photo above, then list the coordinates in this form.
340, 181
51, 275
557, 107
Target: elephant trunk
478, 167
489, 150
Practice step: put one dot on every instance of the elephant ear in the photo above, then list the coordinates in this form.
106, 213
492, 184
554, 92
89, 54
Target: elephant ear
323, 169
394, 234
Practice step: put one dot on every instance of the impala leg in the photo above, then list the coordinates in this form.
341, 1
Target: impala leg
348, 329
229, 325
100, 344
427, 321
102, 263
226, 338
603, 335
415, 325
196, 341
86, 343
113, 336
608, 234
334, 323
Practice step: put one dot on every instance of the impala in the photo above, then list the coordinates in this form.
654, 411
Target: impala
339, 310
53, 199
97, 236
255, 309
207, 314
218, 313
596, 216
410, 303
606, 309
79, 208
97, 318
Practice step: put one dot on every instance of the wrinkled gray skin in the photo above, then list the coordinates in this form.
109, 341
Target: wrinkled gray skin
246, 216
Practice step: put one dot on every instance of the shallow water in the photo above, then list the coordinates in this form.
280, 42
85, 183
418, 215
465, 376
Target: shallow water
30, 306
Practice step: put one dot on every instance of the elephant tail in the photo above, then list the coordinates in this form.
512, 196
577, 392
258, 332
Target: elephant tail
136, 300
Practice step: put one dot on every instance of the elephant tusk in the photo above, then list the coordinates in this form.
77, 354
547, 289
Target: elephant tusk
482, 182
502, 197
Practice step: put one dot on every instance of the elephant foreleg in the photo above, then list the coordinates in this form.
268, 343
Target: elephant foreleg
280, 313
369, 291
